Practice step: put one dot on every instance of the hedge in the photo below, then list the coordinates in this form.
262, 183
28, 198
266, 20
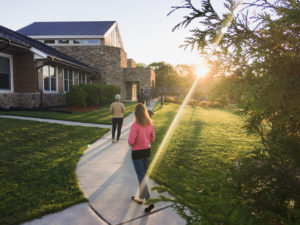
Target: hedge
84, 95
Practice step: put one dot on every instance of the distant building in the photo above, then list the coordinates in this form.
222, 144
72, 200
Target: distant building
32, 74
99, 45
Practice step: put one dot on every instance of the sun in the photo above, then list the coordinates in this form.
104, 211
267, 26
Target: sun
202, 70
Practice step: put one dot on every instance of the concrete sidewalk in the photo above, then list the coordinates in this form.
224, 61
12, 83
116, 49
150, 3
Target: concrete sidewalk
107, 178
57, 121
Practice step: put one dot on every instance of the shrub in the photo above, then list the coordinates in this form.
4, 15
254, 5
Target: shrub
76, 97
205, 104
217, 105
193, 102
107, 93
179, 100
91, 95
170, 99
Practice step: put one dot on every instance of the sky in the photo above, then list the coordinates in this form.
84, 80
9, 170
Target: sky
145, 28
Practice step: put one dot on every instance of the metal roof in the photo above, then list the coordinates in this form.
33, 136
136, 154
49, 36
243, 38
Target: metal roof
67, 28
14, 37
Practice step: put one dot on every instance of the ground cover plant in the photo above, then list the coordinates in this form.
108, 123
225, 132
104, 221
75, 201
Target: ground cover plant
197, 164
99, 116
37, 167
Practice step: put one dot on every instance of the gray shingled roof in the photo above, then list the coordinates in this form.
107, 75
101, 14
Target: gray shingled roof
27, 42
67, 28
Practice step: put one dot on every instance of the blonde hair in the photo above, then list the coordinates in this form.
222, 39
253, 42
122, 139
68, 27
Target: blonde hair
141, 115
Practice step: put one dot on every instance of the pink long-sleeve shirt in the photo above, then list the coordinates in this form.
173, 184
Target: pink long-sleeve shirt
140, 137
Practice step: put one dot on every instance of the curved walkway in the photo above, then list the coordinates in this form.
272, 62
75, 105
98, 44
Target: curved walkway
57, 121
107, 178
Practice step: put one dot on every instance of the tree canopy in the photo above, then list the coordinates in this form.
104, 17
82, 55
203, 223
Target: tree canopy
255, 46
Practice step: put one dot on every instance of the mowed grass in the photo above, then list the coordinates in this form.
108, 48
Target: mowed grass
37, 167
98, 116
195, 166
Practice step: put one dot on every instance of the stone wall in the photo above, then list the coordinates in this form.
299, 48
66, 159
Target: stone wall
113, 66
143, 76
30, 100
51, 100
131, 63
108, 60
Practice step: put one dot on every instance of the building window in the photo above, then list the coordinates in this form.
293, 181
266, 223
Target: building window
68, 79
49, 41
63, 41
50, 79
6, 73
93, 41
82, 78
77, 41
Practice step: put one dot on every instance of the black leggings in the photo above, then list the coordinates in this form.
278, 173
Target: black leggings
116, 122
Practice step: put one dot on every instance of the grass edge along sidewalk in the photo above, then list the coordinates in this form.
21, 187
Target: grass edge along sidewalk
37, 167
100, 115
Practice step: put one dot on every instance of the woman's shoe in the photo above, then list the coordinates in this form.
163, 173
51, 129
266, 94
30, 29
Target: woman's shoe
137, 200
149, 208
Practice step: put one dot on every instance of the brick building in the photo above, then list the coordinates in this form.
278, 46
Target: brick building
99, 45
32, 74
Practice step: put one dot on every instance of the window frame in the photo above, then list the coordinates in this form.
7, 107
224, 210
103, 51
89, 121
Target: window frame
56, 80
11, 73
64, 75
80, 74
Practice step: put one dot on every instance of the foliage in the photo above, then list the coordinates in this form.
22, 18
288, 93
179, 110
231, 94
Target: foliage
259, 59
101, 115
195, 166
76, 97
141, 65
177, 80
91, 95
170, 99
37, 167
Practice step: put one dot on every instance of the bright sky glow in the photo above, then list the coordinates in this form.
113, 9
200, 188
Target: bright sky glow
144, 25
202, 70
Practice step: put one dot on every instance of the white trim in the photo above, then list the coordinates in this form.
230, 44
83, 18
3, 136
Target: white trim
109, 32
110, 29
38, 54
10, 57
68, 36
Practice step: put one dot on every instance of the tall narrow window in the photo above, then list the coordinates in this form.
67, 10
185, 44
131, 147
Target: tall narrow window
50, 78
5, 74
81, 78
68, 79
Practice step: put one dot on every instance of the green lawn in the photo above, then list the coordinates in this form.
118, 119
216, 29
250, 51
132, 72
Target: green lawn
99, 116
37, 167
196, 166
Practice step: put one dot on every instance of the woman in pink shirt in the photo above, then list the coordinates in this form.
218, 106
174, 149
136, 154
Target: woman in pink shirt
140, 137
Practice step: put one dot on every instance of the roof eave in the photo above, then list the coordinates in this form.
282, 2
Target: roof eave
64, 36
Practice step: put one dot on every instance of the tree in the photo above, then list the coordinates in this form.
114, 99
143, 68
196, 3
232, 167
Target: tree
166, 75
141, 65
256, 45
